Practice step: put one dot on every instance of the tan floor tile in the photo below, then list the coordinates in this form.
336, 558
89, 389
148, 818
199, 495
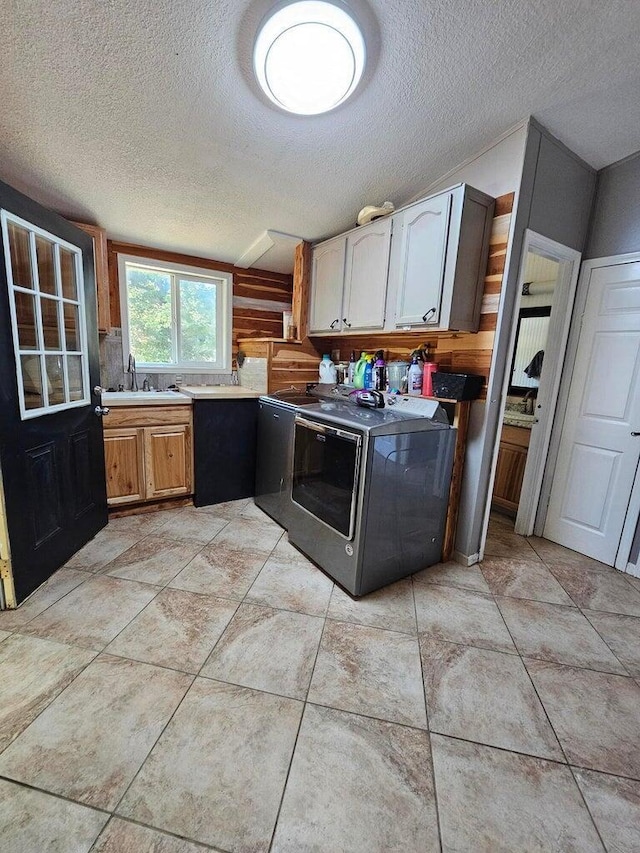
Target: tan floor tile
154, 560
492, 801
4, 635
58, 585
94, 613
192, 525
217, 773
121, 836
551, 552
90, 742
33, 822
622, 635
102, 549
357, 784
461, 616
177, 629
267, 649
596, 716
223, 570
250, 533
369, 671
454, 574
227, 510
32, 673
391, 607
141, 524
557, 633
615, 806
502, 542
294, 584
484, 696
522, 579
595, 589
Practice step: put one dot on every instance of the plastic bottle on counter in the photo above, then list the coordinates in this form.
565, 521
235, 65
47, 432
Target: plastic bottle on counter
351, 370
368, 374
327, 371
415, 378
379, 372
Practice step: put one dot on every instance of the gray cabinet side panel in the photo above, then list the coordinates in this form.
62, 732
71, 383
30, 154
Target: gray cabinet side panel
562, 196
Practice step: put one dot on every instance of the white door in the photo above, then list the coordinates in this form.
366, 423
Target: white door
600, 443
327, 279
365, 282
425, 229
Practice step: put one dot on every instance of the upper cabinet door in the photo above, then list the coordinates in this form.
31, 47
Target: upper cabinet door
365, 283
327, 279
425, 229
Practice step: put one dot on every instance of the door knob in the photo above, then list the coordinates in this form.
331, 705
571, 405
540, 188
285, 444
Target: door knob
100, 411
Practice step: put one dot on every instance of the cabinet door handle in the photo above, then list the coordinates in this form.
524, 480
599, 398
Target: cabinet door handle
344, 320
428, 314
333, 325
635, 433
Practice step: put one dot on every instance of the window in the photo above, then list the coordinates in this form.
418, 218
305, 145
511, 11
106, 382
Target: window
46, 299
174, 317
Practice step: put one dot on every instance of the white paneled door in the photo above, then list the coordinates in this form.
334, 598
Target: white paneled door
600, 444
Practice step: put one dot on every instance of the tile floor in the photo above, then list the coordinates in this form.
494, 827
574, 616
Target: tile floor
190, 682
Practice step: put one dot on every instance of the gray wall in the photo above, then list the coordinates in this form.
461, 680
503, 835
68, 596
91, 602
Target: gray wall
554, 199
615, 226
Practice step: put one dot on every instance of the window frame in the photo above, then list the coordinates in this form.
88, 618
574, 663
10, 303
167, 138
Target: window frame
224, 315
60, 300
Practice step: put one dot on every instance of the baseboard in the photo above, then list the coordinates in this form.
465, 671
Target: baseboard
465, 560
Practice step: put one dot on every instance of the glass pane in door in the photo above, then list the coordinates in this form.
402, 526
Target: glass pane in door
74, 370
68, 273
71, 327
20, 256
55, 381
50, 329
31, 381
45, 255
26, 317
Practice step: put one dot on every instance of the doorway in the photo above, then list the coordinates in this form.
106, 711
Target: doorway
546, 288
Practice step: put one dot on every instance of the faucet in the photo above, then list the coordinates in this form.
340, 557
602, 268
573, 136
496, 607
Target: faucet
132, 370
145, 384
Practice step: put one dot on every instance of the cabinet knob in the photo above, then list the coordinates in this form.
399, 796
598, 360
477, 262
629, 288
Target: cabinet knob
344, 320
427, 314
333, 325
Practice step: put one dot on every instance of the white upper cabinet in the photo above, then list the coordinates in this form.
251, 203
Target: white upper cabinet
439, 261
422, 268
327, 281
422, 231
365, 280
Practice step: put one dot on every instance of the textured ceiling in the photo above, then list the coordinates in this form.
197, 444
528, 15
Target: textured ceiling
144, 118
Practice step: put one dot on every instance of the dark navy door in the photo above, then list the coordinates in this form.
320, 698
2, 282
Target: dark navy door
51, 447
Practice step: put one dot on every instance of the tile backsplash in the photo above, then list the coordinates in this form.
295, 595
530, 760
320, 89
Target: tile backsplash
112, 371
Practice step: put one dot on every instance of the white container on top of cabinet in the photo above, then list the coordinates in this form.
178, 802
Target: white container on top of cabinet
422, 268
349, 280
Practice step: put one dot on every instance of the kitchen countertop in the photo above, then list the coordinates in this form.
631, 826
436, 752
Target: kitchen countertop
144, 398
219, 392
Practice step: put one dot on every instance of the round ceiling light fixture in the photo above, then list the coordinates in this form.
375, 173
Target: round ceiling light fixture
309, 57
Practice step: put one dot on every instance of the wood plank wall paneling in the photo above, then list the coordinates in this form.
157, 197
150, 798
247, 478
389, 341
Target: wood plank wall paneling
251, 287
459, 352
302, 289
288, 362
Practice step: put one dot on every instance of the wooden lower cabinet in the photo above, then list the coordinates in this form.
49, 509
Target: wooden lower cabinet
512, 459
148, 453
167, 461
